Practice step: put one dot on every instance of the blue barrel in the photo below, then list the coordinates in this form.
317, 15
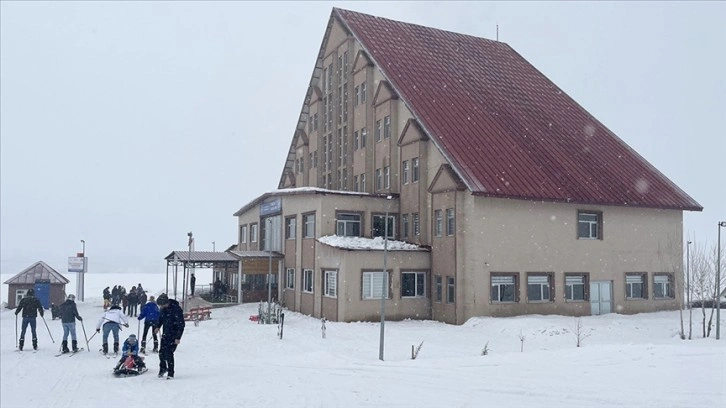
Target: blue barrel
42, 292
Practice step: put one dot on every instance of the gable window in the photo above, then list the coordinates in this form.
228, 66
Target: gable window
450, 221
576, 287
379, 225
589, 225
414, 165
504, 287
357, 95
404, 225
386, 177
290, 227
438, 223
663, 287
308, 280
387, 127
439, 288
374, 284
290, 278
331, 284
348, 225
413, 284
253, 232
243, 234
379, 130
416, 224
540, 287
309, 225
363, 137
450, 289
363, 93
635, 285
404, 172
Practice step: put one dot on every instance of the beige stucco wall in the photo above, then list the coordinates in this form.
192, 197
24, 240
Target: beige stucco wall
500, 235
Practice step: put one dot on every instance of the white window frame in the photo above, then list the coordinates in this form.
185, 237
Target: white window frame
331, 283
450, 289
571, 282
438, 223
633, 279
253, 232
541, 286
415, 173
309, 225
371, 284
386, 177
416, 224
450, 222
501, 282
347, 221
662, 283
308, 281
290, 278
290, 227
387, 127
404, 226
419, 284
243, 234
404, 172
588, 225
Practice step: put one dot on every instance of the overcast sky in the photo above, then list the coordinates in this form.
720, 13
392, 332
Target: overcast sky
129, 124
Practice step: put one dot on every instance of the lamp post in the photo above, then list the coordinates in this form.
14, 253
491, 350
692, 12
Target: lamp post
81, 283
718, 282
688, 286
269, 267
384, 283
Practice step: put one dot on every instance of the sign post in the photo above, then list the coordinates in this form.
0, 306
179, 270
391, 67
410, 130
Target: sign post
78, 264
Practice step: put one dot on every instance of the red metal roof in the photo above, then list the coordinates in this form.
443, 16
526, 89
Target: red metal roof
506, 129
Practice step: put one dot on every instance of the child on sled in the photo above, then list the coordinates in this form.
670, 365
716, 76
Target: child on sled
131, 362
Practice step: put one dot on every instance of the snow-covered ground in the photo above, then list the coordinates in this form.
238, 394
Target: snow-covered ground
626, 361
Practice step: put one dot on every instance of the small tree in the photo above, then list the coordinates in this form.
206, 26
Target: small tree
579, 332
521, 339
485, 350
414, 353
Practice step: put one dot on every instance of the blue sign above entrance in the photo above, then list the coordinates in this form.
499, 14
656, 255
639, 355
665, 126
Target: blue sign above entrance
271, 207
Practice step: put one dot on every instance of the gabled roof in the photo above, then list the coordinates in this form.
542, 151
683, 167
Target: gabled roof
36, 271
506, 129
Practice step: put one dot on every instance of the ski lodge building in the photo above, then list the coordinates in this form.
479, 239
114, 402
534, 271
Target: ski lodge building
499, 194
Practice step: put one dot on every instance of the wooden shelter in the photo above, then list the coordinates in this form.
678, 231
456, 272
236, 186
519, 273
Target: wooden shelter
48, 284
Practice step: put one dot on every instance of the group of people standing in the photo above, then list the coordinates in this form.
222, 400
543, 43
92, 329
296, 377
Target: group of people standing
161, 314
130, 301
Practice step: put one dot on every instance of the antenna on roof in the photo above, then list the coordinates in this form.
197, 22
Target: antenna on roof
497, 32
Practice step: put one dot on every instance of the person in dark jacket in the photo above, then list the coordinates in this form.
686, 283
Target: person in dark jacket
30, 305
150, 312
192, 282
69, 314
133, 299
54, 311
106, 299
171, 320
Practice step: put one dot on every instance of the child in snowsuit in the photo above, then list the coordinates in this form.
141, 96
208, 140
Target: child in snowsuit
131, 349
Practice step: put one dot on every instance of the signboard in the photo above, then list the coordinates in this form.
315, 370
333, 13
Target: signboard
271, 207
75, 264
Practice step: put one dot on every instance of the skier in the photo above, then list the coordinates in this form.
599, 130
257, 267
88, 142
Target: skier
150, 312
111, 321
30, 305
171, 319
69, 314
130, 349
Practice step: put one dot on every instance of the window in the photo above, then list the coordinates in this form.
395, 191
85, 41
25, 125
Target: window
635, 286
374, 285
290, 278
416, 224
439, 288
663, 287
363, 182
450, 289
589, 225
356, 141
379, 179
386, 177
379, 130
290, 227
504, 288
540, 287
404, 225
308, 280
404, 172
309, 225
576, 287
348, 225
355, 184
438, 223
387, 127
363, 93
450, 221
413, 284
414, 165
253, 232
243, 234
331, 283
363, 137
357, 95
379, 225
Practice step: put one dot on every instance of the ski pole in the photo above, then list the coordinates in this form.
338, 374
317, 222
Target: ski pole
138, 330
16, 330
46, 326
94, 335
84, 335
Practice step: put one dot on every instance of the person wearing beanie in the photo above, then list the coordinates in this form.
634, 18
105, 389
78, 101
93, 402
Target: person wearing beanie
130, 349
30, 306
149, 312
171, 321
111, 321
69, 314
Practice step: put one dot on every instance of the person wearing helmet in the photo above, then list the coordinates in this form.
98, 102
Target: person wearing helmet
30, 305
69, 314
130, 358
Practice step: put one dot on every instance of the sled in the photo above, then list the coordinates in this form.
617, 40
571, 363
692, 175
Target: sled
129, 368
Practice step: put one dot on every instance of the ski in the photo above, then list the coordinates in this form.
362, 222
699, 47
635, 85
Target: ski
75, 352
60, 354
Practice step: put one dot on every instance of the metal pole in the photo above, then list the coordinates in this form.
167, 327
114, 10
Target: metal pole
269, 268
384, 286
688, 287
718, 282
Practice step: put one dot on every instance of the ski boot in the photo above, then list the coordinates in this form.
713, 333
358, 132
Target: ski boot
156, 347
143, 348
20, 344
115, 349
104, 350
35, 344
64, 347
74, 343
